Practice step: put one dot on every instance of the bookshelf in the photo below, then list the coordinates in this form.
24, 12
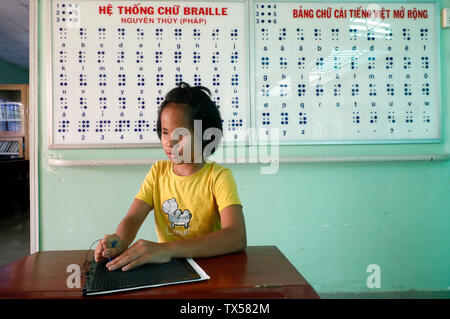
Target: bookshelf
14, 121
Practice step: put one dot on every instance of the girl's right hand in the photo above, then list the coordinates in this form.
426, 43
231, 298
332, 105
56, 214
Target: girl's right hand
105, 250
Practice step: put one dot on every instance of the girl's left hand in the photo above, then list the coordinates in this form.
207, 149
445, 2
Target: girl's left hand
141, 252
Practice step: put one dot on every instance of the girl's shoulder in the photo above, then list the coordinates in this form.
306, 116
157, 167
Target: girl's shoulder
218, 170
160, 167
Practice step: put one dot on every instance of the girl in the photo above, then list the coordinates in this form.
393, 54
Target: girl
196, 205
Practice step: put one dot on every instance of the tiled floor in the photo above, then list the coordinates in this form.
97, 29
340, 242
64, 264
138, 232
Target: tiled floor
14, 238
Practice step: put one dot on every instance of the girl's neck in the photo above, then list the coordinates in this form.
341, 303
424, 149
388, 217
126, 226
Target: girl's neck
187, 169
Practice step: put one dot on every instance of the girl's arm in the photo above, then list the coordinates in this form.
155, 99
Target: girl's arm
231, 238
125, 232
129, 226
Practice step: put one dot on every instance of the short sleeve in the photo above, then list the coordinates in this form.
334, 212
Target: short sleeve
146, 191
225, 190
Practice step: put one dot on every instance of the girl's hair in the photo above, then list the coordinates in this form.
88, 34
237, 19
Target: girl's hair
201, 107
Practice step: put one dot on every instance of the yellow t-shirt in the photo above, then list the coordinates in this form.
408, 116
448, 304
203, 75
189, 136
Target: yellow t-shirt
188, 206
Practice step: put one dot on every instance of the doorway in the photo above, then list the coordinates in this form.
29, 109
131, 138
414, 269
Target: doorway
17, 222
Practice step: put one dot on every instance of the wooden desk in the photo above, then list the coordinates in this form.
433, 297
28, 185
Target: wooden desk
259, 272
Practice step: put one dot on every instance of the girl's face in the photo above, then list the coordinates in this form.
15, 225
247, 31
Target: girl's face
175, 126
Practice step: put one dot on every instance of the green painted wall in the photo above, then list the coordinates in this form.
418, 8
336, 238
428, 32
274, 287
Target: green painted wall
330, 220
12, 74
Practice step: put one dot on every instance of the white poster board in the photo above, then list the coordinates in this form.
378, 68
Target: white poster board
314, 73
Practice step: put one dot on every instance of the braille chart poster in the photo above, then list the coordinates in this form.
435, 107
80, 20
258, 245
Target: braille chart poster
346, 72
313, 73
114, 61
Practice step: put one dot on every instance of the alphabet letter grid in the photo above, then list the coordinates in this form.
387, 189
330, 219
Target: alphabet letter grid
113, 62
346, 73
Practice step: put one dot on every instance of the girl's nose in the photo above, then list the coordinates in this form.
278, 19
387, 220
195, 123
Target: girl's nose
168, 144
173, 141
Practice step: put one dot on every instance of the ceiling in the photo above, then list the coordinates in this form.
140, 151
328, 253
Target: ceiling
14, 32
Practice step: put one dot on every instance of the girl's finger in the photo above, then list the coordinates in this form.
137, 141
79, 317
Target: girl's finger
99, 252
123, 260
107, 241
138, 262
116, 260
